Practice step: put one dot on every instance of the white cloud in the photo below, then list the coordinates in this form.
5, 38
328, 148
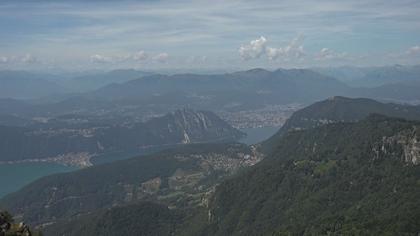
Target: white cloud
140, 56
413, 50
258, 47
161, 57
25, 59
132, 57
28, 58
274, 53
328, 54
100, 59
254, 49
295, 48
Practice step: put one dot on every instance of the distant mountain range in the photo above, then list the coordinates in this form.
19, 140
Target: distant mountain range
373, 76
280, 86
234, 91
34, 85
255, 88
94, 81
25, 85
77, 138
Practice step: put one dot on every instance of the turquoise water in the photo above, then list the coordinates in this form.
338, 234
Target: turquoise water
15, 176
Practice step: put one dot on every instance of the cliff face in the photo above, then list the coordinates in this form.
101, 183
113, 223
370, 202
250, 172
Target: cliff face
199, 126
8, 227
405, 145
180, 127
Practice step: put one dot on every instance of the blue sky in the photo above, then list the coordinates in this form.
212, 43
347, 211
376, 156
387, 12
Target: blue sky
75, 35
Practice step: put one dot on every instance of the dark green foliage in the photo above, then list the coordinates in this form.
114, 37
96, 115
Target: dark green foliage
145, 218
70, 194
324, 181
340, 109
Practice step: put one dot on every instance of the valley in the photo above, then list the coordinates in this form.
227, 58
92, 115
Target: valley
209, 118
202, 181
31, 170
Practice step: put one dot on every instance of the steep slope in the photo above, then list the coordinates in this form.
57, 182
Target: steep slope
180, 127
340, 179
8, 226
143, 219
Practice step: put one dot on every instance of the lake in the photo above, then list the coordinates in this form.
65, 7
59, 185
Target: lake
15, 176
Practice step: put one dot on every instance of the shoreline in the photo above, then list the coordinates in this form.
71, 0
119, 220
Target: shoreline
79, 160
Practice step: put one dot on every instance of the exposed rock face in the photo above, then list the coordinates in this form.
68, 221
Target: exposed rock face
61, 144
199, 126
404, 145
9, 228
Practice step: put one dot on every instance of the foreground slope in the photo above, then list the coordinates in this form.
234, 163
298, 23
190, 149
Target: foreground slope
359, 178
178, 178
343, 178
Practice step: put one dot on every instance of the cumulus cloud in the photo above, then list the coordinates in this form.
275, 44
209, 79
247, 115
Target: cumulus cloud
25, 59
415, 50
140, 56
258, 47
132, 57
100, 59
328, 54
274, 53
28, 58
161, 57
254, 49
295, 48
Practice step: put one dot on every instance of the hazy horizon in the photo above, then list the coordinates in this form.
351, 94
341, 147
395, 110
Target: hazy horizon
198, 35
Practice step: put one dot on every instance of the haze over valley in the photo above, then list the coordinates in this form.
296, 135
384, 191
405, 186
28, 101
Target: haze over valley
207, 118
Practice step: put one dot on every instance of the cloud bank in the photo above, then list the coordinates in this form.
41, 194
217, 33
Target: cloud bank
259, 47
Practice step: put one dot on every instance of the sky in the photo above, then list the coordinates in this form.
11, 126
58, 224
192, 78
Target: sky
212, 34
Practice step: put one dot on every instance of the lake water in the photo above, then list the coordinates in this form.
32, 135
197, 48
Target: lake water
15, 176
